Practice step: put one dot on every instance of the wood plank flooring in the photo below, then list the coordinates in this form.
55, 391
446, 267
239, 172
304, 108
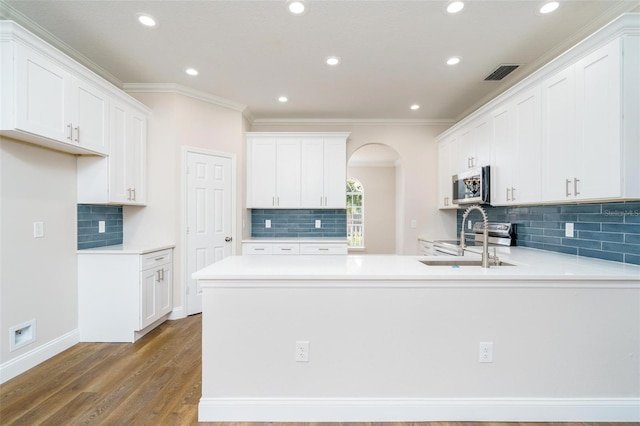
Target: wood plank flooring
155, 381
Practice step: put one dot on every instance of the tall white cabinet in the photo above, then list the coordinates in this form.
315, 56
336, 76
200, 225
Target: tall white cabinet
123, 293
296, 170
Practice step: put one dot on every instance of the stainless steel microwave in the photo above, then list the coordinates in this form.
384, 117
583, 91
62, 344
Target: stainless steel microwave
472, 186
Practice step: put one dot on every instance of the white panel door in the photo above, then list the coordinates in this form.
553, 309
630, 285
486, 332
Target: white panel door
527, 153
598, 112
288, 173
502, 161
335, 174
209, 218
558, 135
311, 174
91, 125
43, 96
262, 173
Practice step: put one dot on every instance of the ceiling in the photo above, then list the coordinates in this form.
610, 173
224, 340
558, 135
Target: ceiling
248, 52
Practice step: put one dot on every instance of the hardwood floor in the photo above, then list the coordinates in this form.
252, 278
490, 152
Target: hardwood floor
155, 381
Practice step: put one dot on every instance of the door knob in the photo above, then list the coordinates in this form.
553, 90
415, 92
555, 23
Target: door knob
228, 239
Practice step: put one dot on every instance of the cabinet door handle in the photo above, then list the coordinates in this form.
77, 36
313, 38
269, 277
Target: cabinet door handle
129, 194
325, 201
508, 195
77, 129
513, 194
566, 187
321, 201
285, 249
259, 249
575, 186
133, 191
70, 129
323, 249
273, 201
278, 201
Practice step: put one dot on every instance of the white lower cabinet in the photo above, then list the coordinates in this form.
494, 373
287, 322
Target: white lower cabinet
271, 248
123, 296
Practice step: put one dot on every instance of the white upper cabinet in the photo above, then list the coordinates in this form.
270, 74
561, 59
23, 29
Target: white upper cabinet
587, 142
50, 100
119, 178
515, 164
323, 173
474, 144
90, 116
273, 166
446, 169
296, 170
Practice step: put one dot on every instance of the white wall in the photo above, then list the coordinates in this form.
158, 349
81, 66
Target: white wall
393, 352
38, 277
379, 184
418, 185
178, 121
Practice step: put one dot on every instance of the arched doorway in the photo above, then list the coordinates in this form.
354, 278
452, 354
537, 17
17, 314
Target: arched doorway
377, 168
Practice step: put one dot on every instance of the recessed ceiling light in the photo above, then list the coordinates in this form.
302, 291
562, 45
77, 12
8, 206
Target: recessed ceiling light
332, 60
415, 107
191, 71
453, 60
549, 7
297, 7
283, 99
455, 7
147, 20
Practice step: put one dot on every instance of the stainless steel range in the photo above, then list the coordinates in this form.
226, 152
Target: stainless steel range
500, 234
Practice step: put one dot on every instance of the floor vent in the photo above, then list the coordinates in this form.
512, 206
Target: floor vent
501, 72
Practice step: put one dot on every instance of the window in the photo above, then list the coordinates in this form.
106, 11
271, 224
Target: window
355, 214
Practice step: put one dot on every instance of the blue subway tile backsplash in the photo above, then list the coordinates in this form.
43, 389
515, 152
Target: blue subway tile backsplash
609, 231
296, 223
88, 218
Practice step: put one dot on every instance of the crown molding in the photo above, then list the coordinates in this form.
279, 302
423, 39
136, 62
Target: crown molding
9, 13
189, 92
351, 122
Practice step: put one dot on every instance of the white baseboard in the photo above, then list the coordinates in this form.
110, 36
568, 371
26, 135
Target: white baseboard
418, 409
177, 313
28, 360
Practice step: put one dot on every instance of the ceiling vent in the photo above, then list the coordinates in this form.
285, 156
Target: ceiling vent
501, 72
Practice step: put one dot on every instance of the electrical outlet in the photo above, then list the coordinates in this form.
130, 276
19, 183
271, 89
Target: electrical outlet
414, 223
486, 352
101, 226
469, 225
302, 351
568, 230
267, 223
318, 223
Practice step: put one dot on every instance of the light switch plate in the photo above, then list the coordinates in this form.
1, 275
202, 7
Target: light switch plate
318, 223
38, 229
267, 223
101, 227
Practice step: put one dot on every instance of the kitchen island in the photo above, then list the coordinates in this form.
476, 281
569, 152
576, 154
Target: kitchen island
391, 339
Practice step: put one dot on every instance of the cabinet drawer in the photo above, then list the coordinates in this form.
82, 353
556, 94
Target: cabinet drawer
286, 249
157, 258
323, 249
257, 249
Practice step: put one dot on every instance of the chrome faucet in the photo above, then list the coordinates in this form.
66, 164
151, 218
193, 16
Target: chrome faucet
485, 232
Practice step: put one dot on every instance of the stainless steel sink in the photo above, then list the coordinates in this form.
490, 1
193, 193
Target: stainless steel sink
459, 262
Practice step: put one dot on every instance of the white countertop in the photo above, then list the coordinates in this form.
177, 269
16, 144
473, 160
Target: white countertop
126, 249
530, 265
296, 240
